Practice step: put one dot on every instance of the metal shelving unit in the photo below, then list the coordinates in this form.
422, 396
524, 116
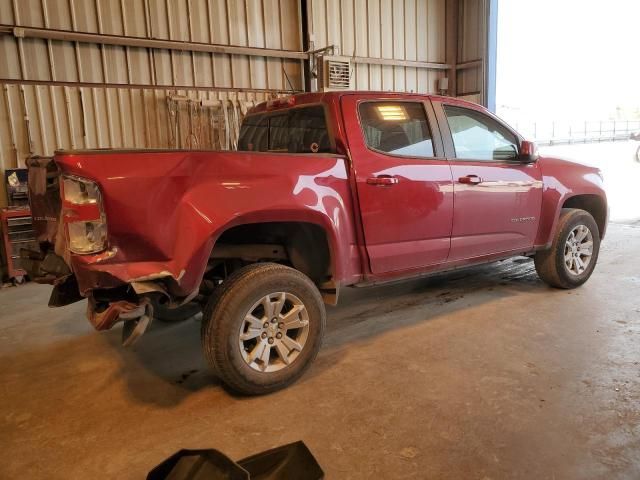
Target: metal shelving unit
17, 232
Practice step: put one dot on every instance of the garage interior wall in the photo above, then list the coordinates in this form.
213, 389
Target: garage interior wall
471, 56
181, 73
400, 30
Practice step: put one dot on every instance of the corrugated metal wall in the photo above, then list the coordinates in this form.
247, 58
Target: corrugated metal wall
406, 31
472, 45
385, 29
66, 93
270, 24
38, 119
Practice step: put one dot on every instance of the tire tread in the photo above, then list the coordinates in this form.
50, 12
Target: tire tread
217, 317
550, 264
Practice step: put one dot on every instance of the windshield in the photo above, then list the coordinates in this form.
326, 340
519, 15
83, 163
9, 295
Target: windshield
297, 130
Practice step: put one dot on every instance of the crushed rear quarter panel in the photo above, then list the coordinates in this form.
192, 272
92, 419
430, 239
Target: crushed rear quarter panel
165, 209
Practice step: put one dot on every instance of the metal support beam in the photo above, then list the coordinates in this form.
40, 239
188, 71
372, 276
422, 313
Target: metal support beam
469, 64
451, 53
401, 63
491, 55
126, 41
140, 86
306, 44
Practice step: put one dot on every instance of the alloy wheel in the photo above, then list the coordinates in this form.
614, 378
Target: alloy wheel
578, 250
274, 332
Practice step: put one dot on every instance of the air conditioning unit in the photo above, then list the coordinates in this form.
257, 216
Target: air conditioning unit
334, 73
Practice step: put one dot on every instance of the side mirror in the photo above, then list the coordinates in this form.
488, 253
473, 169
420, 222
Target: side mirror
528, 152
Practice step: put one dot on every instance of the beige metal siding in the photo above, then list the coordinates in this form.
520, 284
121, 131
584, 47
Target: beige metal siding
472, 44
251, 23
384, 29
38, 119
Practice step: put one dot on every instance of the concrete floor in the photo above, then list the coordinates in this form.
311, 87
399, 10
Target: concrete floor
486, 374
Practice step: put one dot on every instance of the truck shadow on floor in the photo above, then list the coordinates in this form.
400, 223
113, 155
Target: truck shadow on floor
167, 364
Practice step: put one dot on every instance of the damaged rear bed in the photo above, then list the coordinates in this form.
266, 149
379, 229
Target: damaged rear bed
133, 303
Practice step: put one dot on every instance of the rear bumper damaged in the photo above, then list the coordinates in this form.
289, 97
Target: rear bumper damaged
110, 299
116, 287
113, 300
105, 307
107, 316
137, 317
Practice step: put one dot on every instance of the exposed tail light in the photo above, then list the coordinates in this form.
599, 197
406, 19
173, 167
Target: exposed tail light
79, 191
83, 214
87, 237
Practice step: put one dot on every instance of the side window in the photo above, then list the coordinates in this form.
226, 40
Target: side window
479, 137
399, 128
308, 131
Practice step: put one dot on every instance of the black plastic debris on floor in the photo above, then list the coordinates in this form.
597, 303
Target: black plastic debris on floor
286, 462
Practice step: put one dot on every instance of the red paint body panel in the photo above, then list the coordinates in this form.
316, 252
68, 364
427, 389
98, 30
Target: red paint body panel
498, 214
406, 224
561, 180
165, 209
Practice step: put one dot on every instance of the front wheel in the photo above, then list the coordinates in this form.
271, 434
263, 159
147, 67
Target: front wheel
574, 251
263, 327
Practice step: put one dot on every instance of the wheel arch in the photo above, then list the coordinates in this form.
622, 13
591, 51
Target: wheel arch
311, 243
553, 203
594, 204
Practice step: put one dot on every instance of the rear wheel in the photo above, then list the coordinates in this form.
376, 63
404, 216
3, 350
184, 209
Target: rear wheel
574, 251
263, 327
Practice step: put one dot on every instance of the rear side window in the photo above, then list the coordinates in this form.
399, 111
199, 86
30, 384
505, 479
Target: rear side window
254, 133
399, 128
298, 130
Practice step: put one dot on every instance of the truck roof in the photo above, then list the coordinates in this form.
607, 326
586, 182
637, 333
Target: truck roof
327, 97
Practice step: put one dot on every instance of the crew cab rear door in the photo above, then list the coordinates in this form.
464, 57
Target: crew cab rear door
403, 180
497, 198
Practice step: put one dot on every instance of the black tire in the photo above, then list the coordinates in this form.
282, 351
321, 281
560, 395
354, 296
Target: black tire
550, 264
224, 317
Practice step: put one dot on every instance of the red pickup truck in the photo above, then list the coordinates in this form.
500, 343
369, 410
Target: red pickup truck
326, 190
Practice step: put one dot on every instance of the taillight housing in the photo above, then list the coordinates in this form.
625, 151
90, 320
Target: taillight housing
80, 191
83, 214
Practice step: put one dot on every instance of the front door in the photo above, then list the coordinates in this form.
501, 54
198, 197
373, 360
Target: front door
403, 181
497, 198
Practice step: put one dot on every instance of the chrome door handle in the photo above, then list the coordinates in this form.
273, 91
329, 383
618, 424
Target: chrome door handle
383, 180
470, 179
